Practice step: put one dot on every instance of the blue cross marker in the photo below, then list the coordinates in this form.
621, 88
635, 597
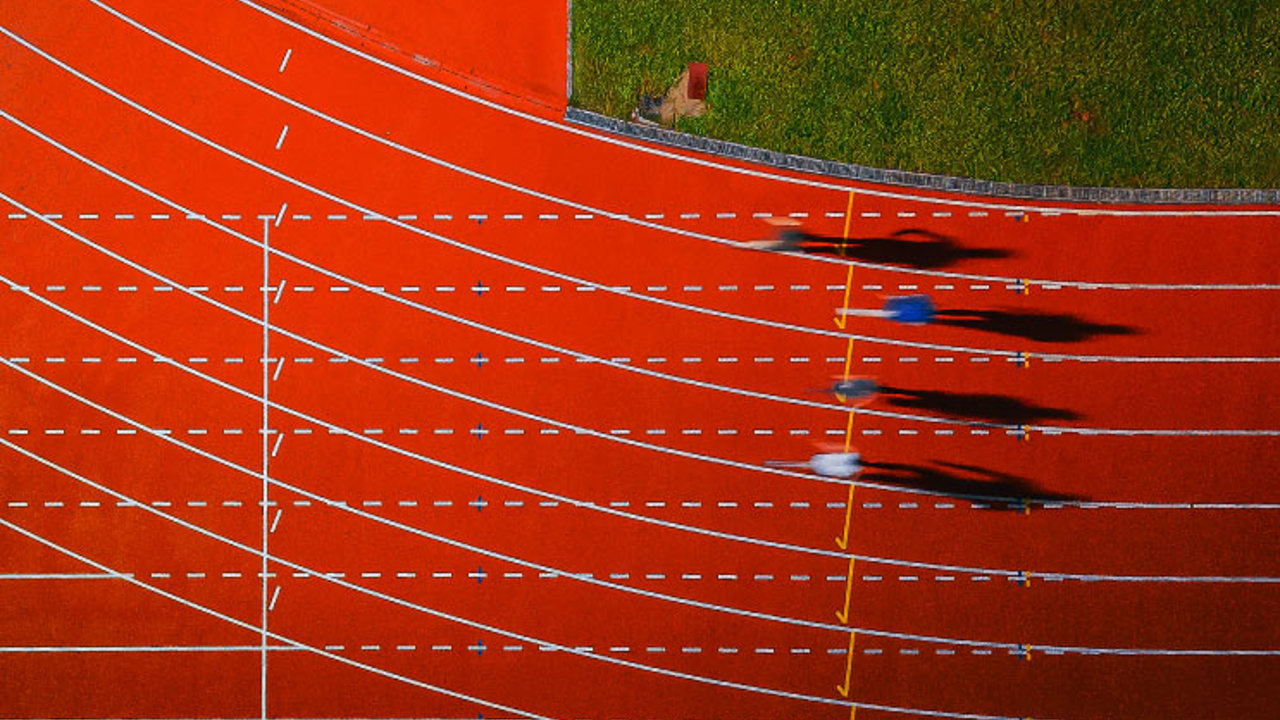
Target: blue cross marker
478, 647
479, 503
479, 360
480, 288
479, 430
479, 575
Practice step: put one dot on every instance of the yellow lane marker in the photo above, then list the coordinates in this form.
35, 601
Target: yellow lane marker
848, 669
848, 593
842, 542
848, 281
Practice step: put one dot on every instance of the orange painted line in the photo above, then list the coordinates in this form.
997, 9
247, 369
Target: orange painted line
848, 280
848, 433
848, 668
848, 594
843, 541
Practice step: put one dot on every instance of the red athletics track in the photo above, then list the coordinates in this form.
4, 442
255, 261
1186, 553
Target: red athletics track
531, 527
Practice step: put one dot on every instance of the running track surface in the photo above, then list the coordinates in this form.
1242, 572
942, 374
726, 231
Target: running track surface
516, 443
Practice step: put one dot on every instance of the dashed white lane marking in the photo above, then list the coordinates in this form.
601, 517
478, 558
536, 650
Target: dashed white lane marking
683, 215
285, 61
283, 132
509, 359
481, 505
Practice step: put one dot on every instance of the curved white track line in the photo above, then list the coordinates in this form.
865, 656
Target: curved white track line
229, 619
1064, 209
188, 603
622, 217
336, 429
1014, 647
439, 614
537, 418
240, 623
696, 309
378, 291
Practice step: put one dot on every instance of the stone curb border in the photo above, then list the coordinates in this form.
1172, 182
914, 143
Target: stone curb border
922, 181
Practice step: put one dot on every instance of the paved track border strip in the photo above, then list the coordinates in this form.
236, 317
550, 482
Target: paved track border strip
606, 288
918, 180
731, 168
622, 217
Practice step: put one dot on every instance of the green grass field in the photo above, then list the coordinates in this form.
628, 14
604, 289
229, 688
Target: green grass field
1138, 93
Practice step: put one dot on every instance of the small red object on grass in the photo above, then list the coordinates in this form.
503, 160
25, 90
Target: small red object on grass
697, 81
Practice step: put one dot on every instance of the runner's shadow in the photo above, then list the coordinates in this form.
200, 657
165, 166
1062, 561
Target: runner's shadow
912, 248
991, 408
1040, 327
961, 481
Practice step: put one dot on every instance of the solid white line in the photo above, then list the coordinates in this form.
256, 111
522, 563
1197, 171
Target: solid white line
280, 215
279, 292
587, 653
379, 291
610, 140
59, 576
276, 520
616, 216
488, 553
476, 625
266, 384
275, 595
280, 141
279, 366
276, 447
615, 290
285, 61
80, 649
453, 393
275, 636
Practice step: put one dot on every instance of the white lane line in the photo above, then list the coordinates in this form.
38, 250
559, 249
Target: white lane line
280, 215
587, 652
276, 446
410, 529
283, 132
266, 462
275, 636
413, 380
285, 61
275, 520
59, 576
433, 612
695, 160
572, 279
617, 216
279, 366
92, 649
279, 291
275, 595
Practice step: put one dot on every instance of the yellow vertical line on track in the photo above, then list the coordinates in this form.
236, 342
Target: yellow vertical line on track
848, 593
848, 280
848, 668
843, 541
848, 357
